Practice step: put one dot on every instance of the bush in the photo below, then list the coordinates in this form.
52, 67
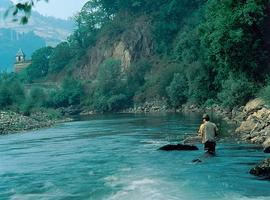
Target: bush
117, 102
236, 91
178, 90
70, 93
264, 93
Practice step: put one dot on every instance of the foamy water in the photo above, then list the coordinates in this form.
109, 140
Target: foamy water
116, 158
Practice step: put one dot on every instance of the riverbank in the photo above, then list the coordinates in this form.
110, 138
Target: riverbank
12, 122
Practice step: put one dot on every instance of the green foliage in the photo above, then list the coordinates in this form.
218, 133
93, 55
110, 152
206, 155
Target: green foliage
236, 90
110, 88
60, 57
70, 93
178, 90
22, 11
169, 21
36, 99
136, 76
11, 91
207, 52
264, 93
232, 36
40, 63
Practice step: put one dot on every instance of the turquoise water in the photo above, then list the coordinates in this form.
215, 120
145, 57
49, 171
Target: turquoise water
116, 157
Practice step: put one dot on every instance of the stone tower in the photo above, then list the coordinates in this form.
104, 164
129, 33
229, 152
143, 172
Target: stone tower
21, 63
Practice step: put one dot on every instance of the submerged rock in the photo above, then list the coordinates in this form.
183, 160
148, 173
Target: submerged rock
262, 169
178, 147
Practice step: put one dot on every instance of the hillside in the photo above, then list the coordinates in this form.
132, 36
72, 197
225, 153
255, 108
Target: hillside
165, 53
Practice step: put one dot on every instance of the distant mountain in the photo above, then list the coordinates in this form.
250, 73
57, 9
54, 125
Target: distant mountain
40, 31
11, 41
52, 30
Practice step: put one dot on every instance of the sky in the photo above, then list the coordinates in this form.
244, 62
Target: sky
58, 8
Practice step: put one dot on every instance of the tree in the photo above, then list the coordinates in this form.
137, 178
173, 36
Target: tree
40, 63
60, 57
232, 36
178, 90
23, 10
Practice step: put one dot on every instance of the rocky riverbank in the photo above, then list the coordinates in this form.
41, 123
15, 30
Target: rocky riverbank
11, 122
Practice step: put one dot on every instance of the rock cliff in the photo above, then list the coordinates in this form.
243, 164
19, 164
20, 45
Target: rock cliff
254, 123
127, 46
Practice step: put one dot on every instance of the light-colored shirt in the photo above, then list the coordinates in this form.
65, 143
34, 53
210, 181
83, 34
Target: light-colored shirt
208, 131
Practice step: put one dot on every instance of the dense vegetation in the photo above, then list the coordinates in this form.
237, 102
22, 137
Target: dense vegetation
205, 53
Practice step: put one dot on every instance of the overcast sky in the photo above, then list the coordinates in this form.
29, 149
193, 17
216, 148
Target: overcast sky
58, 8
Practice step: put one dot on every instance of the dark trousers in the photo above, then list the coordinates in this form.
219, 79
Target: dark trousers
210, 147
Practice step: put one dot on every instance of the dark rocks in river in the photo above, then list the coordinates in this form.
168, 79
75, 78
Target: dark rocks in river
266, 150
178, 147
262, 169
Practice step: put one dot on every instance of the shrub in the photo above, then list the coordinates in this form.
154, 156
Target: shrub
236, 90
178, 90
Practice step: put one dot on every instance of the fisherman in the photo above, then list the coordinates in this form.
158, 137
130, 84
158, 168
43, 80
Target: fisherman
208, 131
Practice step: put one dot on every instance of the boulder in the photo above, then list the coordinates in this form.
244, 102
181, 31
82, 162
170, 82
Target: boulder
253, 105
266, 146
178, 147
246, 126
262, 169
266, 150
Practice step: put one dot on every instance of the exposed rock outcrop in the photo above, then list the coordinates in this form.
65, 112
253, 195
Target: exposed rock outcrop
128, 46
255, 126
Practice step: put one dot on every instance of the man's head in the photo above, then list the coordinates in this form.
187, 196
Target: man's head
206, 117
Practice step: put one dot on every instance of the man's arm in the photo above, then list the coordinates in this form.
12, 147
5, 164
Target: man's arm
200, 131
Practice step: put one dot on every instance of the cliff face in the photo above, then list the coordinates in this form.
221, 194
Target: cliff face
128, 46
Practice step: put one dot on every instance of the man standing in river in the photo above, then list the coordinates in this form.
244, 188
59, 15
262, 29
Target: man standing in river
208, 132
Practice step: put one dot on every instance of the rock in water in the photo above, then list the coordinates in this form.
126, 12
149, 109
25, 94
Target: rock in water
178, 147
262, 170
266, 146
266, 150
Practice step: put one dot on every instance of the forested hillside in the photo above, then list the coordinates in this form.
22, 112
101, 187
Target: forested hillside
125, 53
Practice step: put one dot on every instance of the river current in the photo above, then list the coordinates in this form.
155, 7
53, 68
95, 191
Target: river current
115, 157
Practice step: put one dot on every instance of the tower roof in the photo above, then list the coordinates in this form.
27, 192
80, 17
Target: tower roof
20, 53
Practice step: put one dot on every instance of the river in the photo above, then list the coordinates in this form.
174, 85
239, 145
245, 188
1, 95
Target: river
115, 157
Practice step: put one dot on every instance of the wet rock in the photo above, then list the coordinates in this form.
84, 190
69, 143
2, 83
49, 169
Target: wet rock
178, 147
266, 145
266, 150
262, 169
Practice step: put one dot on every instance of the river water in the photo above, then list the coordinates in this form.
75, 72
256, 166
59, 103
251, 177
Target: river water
115, 157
